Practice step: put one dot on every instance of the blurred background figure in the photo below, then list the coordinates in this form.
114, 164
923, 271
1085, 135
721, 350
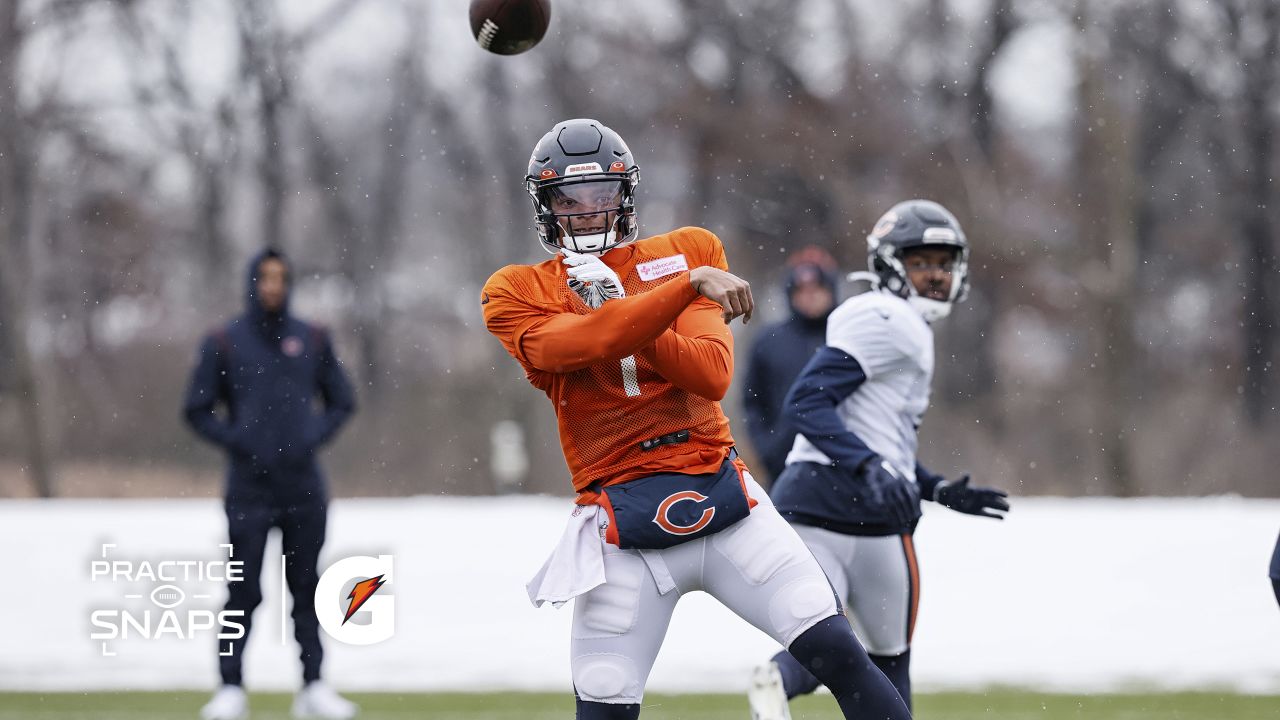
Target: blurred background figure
1275, 570
780, 351
266, 368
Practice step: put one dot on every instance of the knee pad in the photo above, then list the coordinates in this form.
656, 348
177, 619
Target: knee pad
799, 605
606, 677
611, 609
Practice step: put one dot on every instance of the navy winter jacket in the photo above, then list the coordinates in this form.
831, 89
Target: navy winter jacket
267, 370
778, 354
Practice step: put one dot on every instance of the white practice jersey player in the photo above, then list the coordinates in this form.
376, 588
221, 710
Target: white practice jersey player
852, 485
894, 346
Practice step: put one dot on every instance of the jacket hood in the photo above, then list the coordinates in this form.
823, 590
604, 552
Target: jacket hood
807, 272
253, 308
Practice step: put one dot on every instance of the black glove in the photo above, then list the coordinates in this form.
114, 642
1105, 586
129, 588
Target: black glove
900, 496
958, 496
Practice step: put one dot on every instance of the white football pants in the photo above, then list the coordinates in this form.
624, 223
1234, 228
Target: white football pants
759, 568
877, 580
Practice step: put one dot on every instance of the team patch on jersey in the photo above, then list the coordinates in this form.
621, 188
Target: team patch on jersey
662, 267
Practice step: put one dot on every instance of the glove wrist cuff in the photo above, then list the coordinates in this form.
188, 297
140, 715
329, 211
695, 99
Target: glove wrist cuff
939, 490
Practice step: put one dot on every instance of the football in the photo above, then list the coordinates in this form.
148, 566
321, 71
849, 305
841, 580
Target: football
509, 27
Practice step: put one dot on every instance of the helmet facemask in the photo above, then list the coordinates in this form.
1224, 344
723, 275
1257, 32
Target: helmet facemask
589, 213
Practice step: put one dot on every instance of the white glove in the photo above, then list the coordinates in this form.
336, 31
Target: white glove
591, 279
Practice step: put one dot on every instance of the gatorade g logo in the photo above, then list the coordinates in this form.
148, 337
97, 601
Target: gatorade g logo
671, 500
352, 589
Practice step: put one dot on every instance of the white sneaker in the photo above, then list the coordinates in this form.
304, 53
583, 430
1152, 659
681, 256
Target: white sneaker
318, 700
229, 703
765, 694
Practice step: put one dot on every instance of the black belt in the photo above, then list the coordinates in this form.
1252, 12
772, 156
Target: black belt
675, 438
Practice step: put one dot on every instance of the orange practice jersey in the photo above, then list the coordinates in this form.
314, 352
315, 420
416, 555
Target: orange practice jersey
653, 365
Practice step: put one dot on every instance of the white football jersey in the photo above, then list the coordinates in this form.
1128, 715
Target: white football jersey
894, 346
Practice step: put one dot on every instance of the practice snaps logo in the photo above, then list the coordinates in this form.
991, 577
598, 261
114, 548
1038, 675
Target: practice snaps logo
352, 605
154, 605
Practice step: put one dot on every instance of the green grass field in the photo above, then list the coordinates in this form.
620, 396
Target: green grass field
992, 705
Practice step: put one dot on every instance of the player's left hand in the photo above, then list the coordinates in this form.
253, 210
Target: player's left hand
591, 279
957, 495
730, 292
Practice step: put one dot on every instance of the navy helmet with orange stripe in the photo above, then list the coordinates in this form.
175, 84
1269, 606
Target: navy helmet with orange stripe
918, 224
582, 180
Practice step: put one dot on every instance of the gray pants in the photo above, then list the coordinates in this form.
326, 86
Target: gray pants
758, 568
877, 579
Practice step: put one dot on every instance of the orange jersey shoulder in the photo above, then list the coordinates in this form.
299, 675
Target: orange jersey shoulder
699, 247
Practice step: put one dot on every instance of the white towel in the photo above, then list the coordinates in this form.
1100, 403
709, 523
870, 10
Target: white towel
576, 565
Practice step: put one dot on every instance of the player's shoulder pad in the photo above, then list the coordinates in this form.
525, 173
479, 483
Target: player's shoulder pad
878, 317
692, 236
871, 304
874, 312
699, 245
694, 242
508, 281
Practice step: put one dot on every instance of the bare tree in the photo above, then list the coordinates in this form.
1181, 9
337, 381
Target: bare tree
17, 170
1108, 250
1259, 54
263, 57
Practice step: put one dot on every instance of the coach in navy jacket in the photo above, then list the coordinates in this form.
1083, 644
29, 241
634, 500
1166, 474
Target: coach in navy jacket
780, 352
265, 370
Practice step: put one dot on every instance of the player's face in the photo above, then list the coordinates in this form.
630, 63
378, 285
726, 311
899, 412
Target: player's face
812, 299
273, 284
587, 208
930, 270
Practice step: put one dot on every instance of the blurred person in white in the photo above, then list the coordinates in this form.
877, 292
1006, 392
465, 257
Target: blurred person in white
852, 485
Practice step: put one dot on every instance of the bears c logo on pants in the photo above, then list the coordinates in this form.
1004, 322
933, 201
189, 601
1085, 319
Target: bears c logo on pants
670, 501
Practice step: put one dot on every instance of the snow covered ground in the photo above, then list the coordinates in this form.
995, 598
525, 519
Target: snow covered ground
1079, 594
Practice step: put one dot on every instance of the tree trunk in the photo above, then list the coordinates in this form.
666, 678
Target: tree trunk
1256, 222
263, 56
15, 198
1105, 225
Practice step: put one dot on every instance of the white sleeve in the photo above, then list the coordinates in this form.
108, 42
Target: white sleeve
873, 333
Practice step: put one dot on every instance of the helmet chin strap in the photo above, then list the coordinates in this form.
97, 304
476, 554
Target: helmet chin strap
595, 243
929, 308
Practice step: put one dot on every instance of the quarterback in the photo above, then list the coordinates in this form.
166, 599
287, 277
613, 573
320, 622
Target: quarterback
629, 339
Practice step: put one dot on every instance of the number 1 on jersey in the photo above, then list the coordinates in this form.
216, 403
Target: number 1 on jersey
630, 382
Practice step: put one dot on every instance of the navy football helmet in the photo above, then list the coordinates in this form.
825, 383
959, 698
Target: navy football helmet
916, 224
582, 180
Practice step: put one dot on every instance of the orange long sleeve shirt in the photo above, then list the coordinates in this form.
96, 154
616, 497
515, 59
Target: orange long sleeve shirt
635, 383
